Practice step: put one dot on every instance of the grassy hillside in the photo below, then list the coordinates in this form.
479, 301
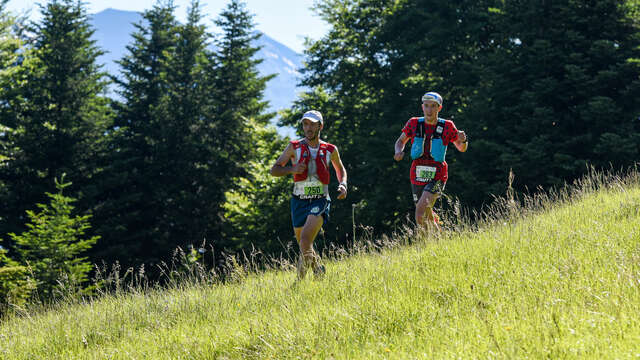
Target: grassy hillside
556, 279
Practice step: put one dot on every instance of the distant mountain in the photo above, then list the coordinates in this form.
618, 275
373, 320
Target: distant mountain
113, 29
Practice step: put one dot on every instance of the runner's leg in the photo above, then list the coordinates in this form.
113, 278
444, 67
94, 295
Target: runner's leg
307, 235
424, 206
300, 265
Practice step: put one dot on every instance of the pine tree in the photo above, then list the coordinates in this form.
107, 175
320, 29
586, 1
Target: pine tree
181, 136
133, 200
10, 45
185, 200
52, 243
239, 88
241, 117
60, 113
16, 285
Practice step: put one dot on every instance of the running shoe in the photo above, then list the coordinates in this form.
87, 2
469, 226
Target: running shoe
319, 271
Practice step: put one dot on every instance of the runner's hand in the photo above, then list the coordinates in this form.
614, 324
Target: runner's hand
462, 137
299, 168
343, 191
398, 156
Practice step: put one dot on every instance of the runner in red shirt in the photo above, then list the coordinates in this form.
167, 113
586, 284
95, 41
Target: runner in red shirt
428, 176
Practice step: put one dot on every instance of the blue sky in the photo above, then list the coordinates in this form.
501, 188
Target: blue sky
287, 21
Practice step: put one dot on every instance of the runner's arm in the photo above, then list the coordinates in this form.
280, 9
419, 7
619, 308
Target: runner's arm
280, 168
399, 147
341, 173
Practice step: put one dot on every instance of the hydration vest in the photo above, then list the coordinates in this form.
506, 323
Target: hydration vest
437, 149
322, 170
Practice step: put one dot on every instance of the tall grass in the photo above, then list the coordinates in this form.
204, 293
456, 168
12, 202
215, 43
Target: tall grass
556, 275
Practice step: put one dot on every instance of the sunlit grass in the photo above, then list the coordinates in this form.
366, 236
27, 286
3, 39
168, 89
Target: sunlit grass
557, 279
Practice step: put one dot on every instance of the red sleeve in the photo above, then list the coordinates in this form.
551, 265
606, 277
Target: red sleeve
410, 127
450, 132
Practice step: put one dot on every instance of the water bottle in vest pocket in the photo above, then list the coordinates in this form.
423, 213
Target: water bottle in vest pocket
417, 148
438, 148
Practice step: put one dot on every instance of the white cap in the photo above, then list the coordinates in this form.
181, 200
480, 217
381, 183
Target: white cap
432, 96
313, 115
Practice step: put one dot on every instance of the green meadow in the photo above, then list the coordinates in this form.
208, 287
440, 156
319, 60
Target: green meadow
556, 277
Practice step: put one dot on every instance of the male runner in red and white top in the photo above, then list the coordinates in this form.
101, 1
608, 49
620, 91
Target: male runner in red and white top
429, 177
310, 201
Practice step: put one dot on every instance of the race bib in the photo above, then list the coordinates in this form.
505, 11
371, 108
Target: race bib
308, 189
313, 190
425, 173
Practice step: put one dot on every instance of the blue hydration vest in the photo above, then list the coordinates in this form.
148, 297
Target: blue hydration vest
438, 149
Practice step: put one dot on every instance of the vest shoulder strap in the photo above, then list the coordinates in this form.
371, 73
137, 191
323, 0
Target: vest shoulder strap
420, 128
328, 147
440, 127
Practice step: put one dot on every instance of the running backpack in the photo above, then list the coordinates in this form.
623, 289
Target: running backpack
438, 149
322, 170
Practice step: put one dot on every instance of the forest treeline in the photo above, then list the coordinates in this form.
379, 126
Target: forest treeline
180, 157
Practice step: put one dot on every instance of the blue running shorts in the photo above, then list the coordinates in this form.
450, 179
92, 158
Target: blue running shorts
301, 208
